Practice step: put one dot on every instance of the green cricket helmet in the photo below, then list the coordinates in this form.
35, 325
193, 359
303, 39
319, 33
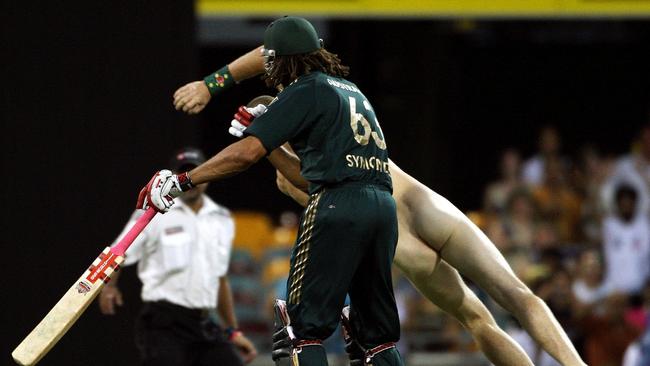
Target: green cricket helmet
289, 36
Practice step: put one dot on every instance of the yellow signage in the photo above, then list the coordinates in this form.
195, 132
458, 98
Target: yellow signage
424, 8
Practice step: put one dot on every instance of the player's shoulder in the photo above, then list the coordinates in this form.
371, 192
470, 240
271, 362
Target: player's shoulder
338, 86
303, 87
319, 79
338, 82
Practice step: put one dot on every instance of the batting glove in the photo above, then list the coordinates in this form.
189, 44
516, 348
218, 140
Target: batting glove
161, 190
243, 118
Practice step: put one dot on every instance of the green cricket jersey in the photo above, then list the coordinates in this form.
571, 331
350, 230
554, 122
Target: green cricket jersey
331, 126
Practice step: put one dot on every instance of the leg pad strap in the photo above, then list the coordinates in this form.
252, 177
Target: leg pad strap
359, 356
286, 346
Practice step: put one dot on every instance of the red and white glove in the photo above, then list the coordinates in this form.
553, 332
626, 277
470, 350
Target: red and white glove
161, 190
243, 118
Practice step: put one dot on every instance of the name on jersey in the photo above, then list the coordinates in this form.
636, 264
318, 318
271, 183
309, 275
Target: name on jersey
343, 86
371, 163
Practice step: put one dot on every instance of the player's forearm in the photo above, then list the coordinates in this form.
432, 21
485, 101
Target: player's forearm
247, 66
232, 160
289, 165
225, 306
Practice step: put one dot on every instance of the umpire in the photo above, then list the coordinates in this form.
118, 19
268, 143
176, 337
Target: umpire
182, 261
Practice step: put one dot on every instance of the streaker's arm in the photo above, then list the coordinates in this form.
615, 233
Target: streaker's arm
282, 158
192, 97
290, 190
234, 159
288, 164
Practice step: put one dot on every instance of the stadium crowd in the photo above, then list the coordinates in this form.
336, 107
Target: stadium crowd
576, 229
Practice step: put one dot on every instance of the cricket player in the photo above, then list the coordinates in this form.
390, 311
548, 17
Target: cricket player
436, 242
348, 232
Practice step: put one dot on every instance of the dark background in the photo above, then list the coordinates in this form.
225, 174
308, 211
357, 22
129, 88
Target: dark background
87, 118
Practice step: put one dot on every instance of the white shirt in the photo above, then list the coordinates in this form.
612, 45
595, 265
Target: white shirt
533, 171
629, 170
632, 356
627, 253
182, 254
588, 295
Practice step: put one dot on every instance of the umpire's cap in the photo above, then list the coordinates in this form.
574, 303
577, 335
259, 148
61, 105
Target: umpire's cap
186, 158
291, 36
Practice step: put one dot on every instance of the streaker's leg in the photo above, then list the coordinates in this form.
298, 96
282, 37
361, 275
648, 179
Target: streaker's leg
469, 250
443, 286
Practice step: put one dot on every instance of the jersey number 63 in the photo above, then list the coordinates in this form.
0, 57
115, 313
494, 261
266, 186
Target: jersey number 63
362, 134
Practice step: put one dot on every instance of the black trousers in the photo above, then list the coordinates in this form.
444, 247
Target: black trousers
171, 335
346, 245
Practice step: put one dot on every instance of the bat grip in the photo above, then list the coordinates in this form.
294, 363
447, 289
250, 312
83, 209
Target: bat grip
140, 224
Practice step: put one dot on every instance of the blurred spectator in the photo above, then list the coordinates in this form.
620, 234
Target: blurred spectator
551, 261
534, 169
588, 288
557, 201
626, 243
607, 335
519, 221
632, 356
546, 237
589, 176
634, 170
498, 192
284, 235
644, 342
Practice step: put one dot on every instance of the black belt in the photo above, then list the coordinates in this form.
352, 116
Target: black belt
201, 313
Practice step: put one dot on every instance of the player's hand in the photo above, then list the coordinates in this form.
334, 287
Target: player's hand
108, 298
245, 347
192, 97
243, 118
160, 192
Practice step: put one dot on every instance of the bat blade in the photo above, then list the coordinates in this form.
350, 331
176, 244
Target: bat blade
69, 308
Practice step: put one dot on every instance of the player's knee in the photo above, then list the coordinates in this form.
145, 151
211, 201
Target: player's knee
314, 331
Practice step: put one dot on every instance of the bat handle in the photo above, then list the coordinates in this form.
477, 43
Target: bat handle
140, 224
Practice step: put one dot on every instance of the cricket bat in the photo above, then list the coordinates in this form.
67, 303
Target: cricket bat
76, 300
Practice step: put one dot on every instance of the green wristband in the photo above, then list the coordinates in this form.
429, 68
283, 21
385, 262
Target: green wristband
219, 81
